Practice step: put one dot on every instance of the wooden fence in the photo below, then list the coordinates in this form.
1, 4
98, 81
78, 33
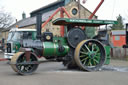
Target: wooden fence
119, 53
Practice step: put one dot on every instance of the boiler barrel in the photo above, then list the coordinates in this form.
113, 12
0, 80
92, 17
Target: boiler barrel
52, 49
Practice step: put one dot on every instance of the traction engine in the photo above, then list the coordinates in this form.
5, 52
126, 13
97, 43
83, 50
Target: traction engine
74, 49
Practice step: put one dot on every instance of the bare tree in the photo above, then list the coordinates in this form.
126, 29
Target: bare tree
5, 19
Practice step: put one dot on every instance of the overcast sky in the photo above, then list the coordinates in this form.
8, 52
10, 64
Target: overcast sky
110, 9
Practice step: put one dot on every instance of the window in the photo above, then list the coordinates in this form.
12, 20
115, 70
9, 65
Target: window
117, 37
74, 11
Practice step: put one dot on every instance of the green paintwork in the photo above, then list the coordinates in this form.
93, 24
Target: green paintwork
16, 46
108, 56
52, 49
62, 39
90, 32
90, 55
34, 35
82, 22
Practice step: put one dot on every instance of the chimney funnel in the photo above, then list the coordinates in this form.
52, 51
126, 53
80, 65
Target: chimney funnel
38, 25
23, 15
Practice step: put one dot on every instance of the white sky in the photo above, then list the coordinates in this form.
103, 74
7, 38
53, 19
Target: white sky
109, 10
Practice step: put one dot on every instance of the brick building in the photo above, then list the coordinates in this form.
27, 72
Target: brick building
70, 5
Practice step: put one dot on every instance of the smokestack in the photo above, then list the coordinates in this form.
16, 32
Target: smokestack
38, 25
23, 15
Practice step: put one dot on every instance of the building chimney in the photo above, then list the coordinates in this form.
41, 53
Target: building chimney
23, 15
16, 20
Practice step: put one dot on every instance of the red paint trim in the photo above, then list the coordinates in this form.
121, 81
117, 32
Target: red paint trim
62, 11
90, 17
66, 12
94, 12
27, 55
62, 27
51, 17
4, 59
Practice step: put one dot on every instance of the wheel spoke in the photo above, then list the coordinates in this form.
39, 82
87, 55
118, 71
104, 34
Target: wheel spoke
22, 68
96, 61
97, 50
93, 47
90, 62
84, 53
85, 62
28, 67
87, 48
84, 59
82, 56
83, 49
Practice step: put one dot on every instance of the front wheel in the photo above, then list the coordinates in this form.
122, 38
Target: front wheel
89, 55
21, 65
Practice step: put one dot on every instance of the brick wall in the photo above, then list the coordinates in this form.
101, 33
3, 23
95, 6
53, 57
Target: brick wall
84, 13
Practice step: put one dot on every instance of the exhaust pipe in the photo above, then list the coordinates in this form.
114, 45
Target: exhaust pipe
38, 25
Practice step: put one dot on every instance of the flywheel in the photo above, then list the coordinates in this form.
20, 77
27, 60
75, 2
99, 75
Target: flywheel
75, 36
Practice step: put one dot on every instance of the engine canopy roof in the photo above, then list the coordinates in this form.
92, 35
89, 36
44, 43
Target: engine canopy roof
82, 22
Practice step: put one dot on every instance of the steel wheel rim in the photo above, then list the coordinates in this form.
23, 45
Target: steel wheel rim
91, 55
26, 69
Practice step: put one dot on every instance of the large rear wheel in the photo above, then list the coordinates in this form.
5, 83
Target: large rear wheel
21, 65
90, 55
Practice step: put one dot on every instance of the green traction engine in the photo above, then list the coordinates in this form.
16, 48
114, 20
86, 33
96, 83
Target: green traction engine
74, 49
